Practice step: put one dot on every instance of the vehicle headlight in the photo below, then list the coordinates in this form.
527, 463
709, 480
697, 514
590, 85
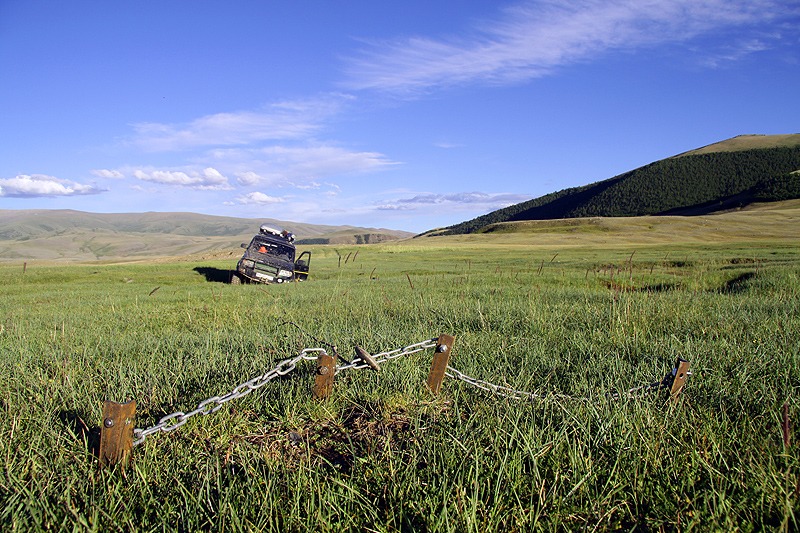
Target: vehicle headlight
248, 263
285, 273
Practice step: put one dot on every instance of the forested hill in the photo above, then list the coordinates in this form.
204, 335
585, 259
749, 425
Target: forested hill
722, 176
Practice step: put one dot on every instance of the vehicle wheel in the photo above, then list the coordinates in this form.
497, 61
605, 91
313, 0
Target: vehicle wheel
236, 279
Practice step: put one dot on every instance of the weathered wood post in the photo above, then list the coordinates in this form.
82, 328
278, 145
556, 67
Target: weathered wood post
116, 433
679, 378
441, 356
323, 383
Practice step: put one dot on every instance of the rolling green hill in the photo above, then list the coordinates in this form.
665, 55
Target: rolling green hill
77, 235
726, 175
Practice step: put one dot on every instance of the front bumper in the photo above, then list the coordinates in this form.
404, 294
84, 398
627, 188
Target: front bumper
264, 273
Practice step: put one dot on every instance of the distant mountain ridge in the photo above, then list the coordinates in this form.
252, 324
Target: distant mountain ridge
729, 174
78, 235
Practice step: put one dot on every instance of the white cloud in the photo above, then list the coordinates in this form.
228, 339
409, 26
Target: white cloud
248, 178
108, 174
470, 200
273, 146
532, 38
280, 121
37, 185
258, 198
206, 179
394, 207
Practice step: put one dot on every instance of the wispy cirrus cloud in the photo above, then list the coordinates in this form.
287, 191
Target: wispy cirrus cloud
297, 119
300, 165
470, 200
734, 52
531, 39
446, 145
275, 145
41, 185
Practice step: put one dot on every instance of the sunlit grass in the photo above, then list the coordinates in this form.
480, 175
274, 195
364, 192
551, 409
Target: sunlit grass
571, 324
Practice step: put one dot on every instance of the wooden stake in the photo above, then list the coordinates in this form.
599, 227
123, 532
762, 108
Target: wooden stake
679, 380
441, 357
116, 433
785, 427
323, 384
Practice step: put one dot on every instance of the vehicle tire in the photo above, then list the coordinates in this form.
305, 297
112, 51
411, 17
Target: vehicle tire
236, 279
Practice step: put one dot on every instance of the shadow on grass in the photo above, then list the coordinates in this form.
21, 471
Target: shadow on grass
214, 275
654, 288
73, 421
738, 284
658, 287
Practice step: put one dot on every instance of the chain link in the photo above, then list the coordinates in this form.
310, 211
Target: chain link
508, 392
173, 421
499, 390
383, 357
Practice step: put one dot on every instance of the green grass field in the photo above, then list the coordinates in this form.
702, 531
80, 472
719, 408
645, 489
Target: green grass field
573, 324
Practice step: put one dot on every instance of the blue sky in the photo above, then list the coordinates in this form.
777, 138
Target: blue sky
405, 115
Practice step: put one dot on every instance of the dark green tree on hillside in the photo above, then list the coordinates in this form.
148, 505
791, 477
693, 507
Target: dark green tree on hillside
678, 185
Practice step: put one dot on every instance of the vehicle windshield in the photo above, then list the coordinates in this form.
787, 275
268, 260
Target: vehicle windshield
266, 247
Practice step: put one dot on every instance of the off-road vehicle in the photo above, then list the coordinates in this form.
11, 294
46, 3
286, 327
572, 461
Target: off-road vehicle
270, 258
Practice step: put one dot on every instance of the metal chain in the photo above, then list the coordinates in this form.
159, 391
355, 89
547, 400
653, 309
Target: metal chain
642, 390
508, 392
383, 357
500, 390
173, 421
380, 358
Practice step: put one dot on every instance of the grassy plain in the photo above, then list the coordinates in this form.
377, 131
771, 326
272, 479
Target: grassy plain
573, 322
